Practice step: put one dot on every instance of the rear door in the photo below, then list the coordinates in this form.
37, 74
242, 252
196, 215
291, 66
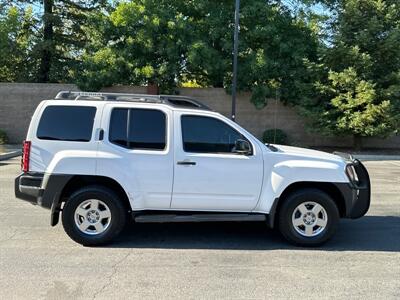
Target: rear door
136, 149
208, 175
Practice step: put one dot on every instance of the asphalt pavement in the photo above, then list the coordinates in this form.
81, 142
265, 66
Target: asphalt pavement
201, 261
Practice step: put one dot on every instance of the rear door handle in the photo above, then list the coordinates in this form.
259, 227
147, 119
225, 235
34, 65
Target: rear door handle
99, 134
186, 163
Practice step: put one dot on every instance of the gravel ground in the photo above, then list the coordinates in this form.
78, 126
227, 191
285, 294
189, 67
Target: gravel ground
206, 261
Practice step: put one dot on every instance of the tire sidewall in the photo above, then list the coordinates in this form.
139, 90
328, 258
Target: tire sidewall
110, 199
307, 195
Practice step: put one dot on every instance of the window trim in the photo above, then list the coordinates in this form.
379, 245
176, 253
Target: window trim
65, 140
221, 153
127, 128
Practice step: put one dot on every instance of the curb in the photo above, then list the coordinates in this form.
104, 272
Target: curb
9, 155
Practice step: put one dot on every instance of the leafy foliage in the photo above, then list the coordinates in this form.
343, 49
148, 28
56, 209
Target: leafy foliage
3, 137
145, 41
275, 136
17, 40
352, 107
170, 42
50, 38
358, 80
70, 20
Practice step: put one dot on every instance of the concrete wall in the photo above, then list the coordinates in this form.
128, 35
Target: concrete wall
19, 100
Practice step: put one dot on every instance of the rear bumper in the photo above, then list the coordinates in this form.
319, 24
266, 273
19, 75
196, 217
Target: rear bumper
42, 189
28, 187
357, 195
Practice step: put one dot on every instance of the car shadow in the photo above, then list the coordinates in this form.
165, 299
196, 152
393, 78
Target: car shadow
370, 233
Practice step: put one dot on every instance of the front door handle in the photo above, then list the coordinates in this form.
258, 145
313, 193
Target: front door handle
186, 163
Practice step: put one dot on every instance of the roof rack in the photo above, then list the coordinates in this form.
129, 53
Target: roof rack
172, 100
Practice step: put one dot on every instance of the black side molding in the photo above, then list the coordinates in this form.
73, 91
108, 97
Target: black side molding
171, 217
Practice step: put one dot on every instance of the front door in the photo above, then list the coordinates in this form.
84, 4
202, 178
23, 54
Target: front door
208, 175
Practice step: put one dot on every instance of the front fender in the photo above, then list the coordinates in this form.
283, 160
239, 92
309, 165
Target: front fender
285, 173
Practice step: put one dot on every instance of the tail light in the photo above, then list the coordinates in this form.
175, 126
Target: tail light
26, 151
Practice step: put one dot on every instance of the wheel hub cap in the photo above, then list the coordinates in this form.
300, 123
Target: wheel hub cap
93, 216
309, 218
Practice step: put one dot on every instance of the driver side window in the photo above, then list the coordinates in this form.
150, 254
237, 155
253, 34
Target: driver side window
208, 135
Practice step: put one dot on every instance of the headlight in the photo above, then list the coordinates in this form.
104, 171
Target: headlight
351, 173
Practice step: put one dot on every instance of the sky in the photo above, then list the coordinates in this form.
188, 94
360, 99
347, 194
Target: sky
293, 4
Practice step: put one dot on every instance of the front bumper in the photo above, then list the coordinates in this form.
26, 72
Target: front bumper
357, 194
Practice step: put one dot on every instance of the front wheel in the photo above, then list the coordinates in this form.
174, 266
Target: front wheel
93, 215
308, 217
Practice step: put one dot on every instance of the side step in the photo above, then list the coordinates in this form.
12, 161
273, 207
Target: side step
167, 218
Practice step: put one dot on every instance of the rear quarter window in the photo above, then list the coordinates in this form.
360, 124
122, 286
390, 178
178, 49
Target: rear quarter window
67, 123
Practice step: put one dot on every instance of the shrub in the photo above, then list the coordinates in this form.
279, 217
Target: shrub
3, 137
275, 136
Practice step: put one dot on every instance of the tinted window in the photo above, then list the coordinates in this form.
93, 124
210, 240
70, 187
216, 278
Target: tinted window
118, 127
208, 135
67, 123
138, 128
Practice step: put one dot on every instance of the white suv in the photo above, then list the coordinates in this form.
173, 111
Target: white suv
99, 158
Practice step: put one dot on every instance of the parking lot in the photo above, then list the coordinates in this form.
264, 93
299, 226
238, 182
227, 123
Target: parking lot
208, 261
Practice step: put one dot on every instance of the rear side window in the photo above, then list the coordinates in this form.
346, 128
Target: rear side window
67, 123
138, 128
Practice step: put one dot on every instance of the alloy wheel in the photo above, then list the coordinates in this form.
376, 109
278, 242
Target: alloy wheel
309, 219
92, 217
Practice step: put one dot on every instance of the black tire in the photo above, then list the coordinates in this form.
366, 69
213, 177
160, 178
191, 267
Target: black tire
287, 228
108, 197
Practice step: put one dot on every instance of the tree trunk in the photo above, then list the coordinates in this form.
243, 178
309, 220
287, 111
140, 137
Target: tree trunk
357, 142
47, 43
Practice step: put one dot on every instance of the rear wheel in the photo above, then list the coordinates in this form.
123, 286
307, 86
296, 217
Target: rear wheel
308, 217
93, 215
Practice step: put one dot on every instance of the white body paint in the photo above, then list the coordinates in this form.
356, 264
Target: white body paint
153, 180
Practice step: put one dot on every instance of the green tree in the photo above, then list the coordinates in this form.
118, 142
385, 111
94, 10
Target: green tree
274, 45
17, 41
140, 42
61, 35
172, 42
358, 89
353, 109
70, 21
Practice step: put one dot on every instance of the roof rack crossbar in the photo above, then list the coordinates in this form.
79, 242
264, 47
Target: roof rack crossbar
173, 100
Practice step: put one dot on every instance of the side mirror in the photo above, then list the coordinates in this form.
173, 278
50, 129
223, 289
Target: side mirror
242, 147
